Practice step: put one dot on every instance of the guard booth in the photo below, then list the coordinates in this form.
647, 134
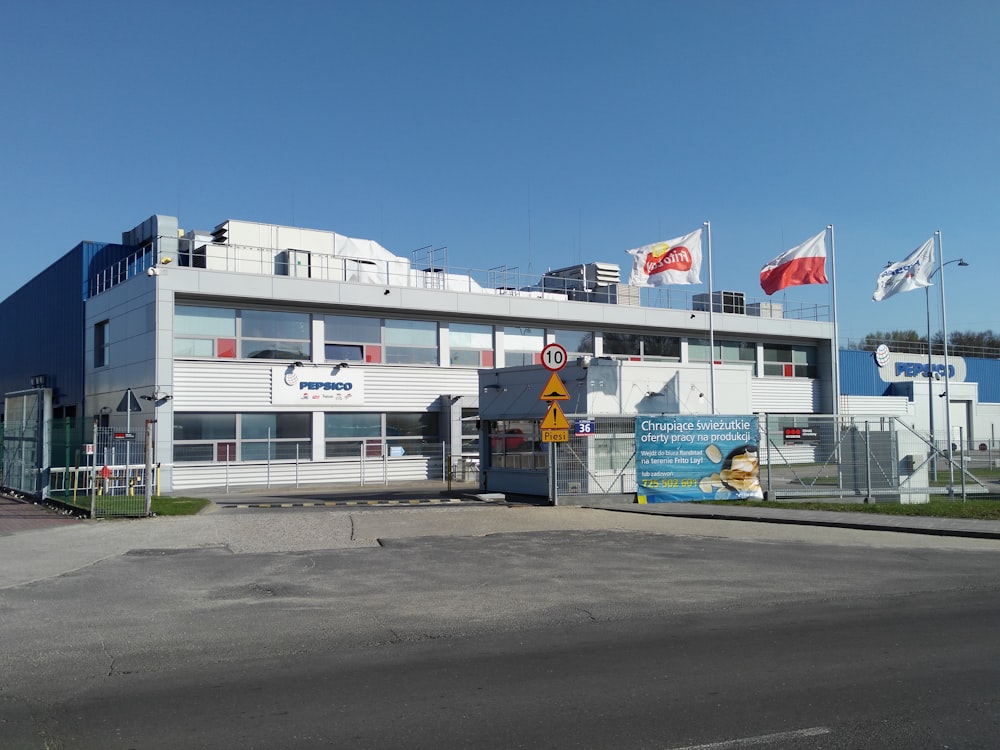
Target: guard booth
602, 397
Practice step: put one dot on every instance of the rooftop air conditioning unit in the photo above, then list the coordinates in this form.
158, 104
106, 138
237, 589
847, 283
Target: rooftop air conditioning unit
722, 302
583, 276
765, 310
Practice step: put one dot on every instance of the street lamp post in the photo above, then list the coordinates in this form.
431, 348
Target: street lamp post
930, 367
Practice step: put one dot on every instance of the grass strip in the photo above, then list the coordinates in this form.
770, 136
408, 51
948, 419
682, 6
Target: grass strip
986, 510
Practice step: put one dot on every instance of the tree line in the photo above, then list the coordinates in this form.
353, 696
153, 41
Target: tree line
960, 343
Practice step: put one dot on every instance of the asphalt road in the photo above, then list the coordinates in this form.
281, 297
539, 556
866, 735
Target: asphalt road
557, 639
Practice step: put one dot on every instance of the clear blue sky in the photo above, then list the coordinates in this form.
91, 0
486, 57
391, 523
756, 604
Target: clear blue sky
528, 134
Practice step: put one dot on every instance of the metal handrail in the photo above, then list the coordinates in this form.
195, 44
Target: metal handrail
400, 272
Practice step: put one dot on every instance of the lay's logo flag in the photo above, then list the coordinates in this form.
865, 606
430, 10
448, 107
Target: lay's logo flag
676, 261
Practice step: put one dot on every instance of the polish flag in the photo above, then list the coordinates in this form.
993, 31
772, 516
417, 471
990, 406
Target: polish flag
803, 264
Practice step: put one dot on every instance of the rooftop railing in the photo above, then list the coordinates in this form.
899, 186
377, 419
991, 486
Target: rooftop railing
400, 272
955, 348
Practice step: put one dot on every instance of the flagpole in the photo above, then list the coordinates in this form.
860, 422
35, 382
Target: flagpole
947, 390
836, 336
711, 321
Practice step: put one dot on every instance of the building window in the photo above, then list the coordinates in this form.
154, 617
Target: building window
522, 346
226, 333
576, 343
412, 434
470, 432
411, 342
204, 331
352, 338
275, 436
513, 445
207, 436
470, 345
346, 433
727, 352
203, 436
637, 346
102, 344
267, 334
790, 361
395, 435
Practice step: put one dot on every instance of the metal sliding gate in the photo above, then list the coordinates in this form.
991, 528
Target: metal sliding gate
599, 461
874, 457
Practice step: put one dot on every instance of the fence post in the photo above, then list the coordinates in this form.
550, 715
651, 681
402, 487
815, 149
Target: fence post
555, 477
385, 461
868, 465
767, 444
93, 476
148, 490
965, 453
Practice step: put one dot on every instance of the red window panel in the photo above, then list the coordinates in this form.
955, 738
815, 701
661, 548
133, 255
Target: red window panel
225, 348
789, 371
487, 359
373, 354
225, 452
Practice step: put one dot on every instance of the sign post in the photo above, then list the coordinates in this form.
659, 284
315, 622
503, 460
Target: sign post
554, 427
128, 404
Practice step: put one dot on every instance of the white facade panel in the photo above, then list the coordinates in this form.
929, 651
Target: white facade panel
220, 385
372, 472
894, 406
785, 395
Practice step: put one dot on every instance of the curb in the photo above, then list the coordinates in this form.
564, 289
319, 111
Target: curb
414, 502
833, 523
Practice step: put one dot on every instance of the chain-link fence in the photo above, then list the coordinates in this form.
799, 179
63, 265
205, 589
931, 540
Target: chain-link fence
103, 471
877, 458
872, 458
802, 456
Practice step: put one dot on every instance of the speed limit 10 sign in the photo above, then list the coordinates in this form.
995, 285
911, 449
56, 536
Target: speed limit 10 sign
554, 357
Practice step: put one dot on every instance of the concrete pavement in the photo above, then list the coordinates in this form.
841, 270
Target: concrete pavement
37, 542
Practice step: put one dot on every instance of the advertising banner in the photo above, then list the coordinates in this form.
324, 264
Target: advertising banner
683, 458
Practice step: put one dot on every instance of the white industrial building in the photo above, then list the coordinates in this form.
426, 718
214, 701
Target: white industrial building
283, 355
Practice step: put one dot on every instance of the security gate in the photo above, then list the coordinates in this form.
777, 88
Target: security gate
597, 460
26, 441
118, 473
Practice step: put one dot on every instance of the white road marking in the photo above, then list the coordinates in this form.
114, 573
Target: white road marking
763, 739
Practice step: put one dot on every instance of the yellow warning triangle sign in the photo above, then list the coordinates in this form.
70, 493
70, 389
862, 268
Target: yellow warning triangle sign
555, 419
554, 390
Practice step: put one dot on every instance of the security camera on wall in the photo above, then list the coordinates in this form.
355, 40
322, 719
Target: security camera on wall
152, 271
